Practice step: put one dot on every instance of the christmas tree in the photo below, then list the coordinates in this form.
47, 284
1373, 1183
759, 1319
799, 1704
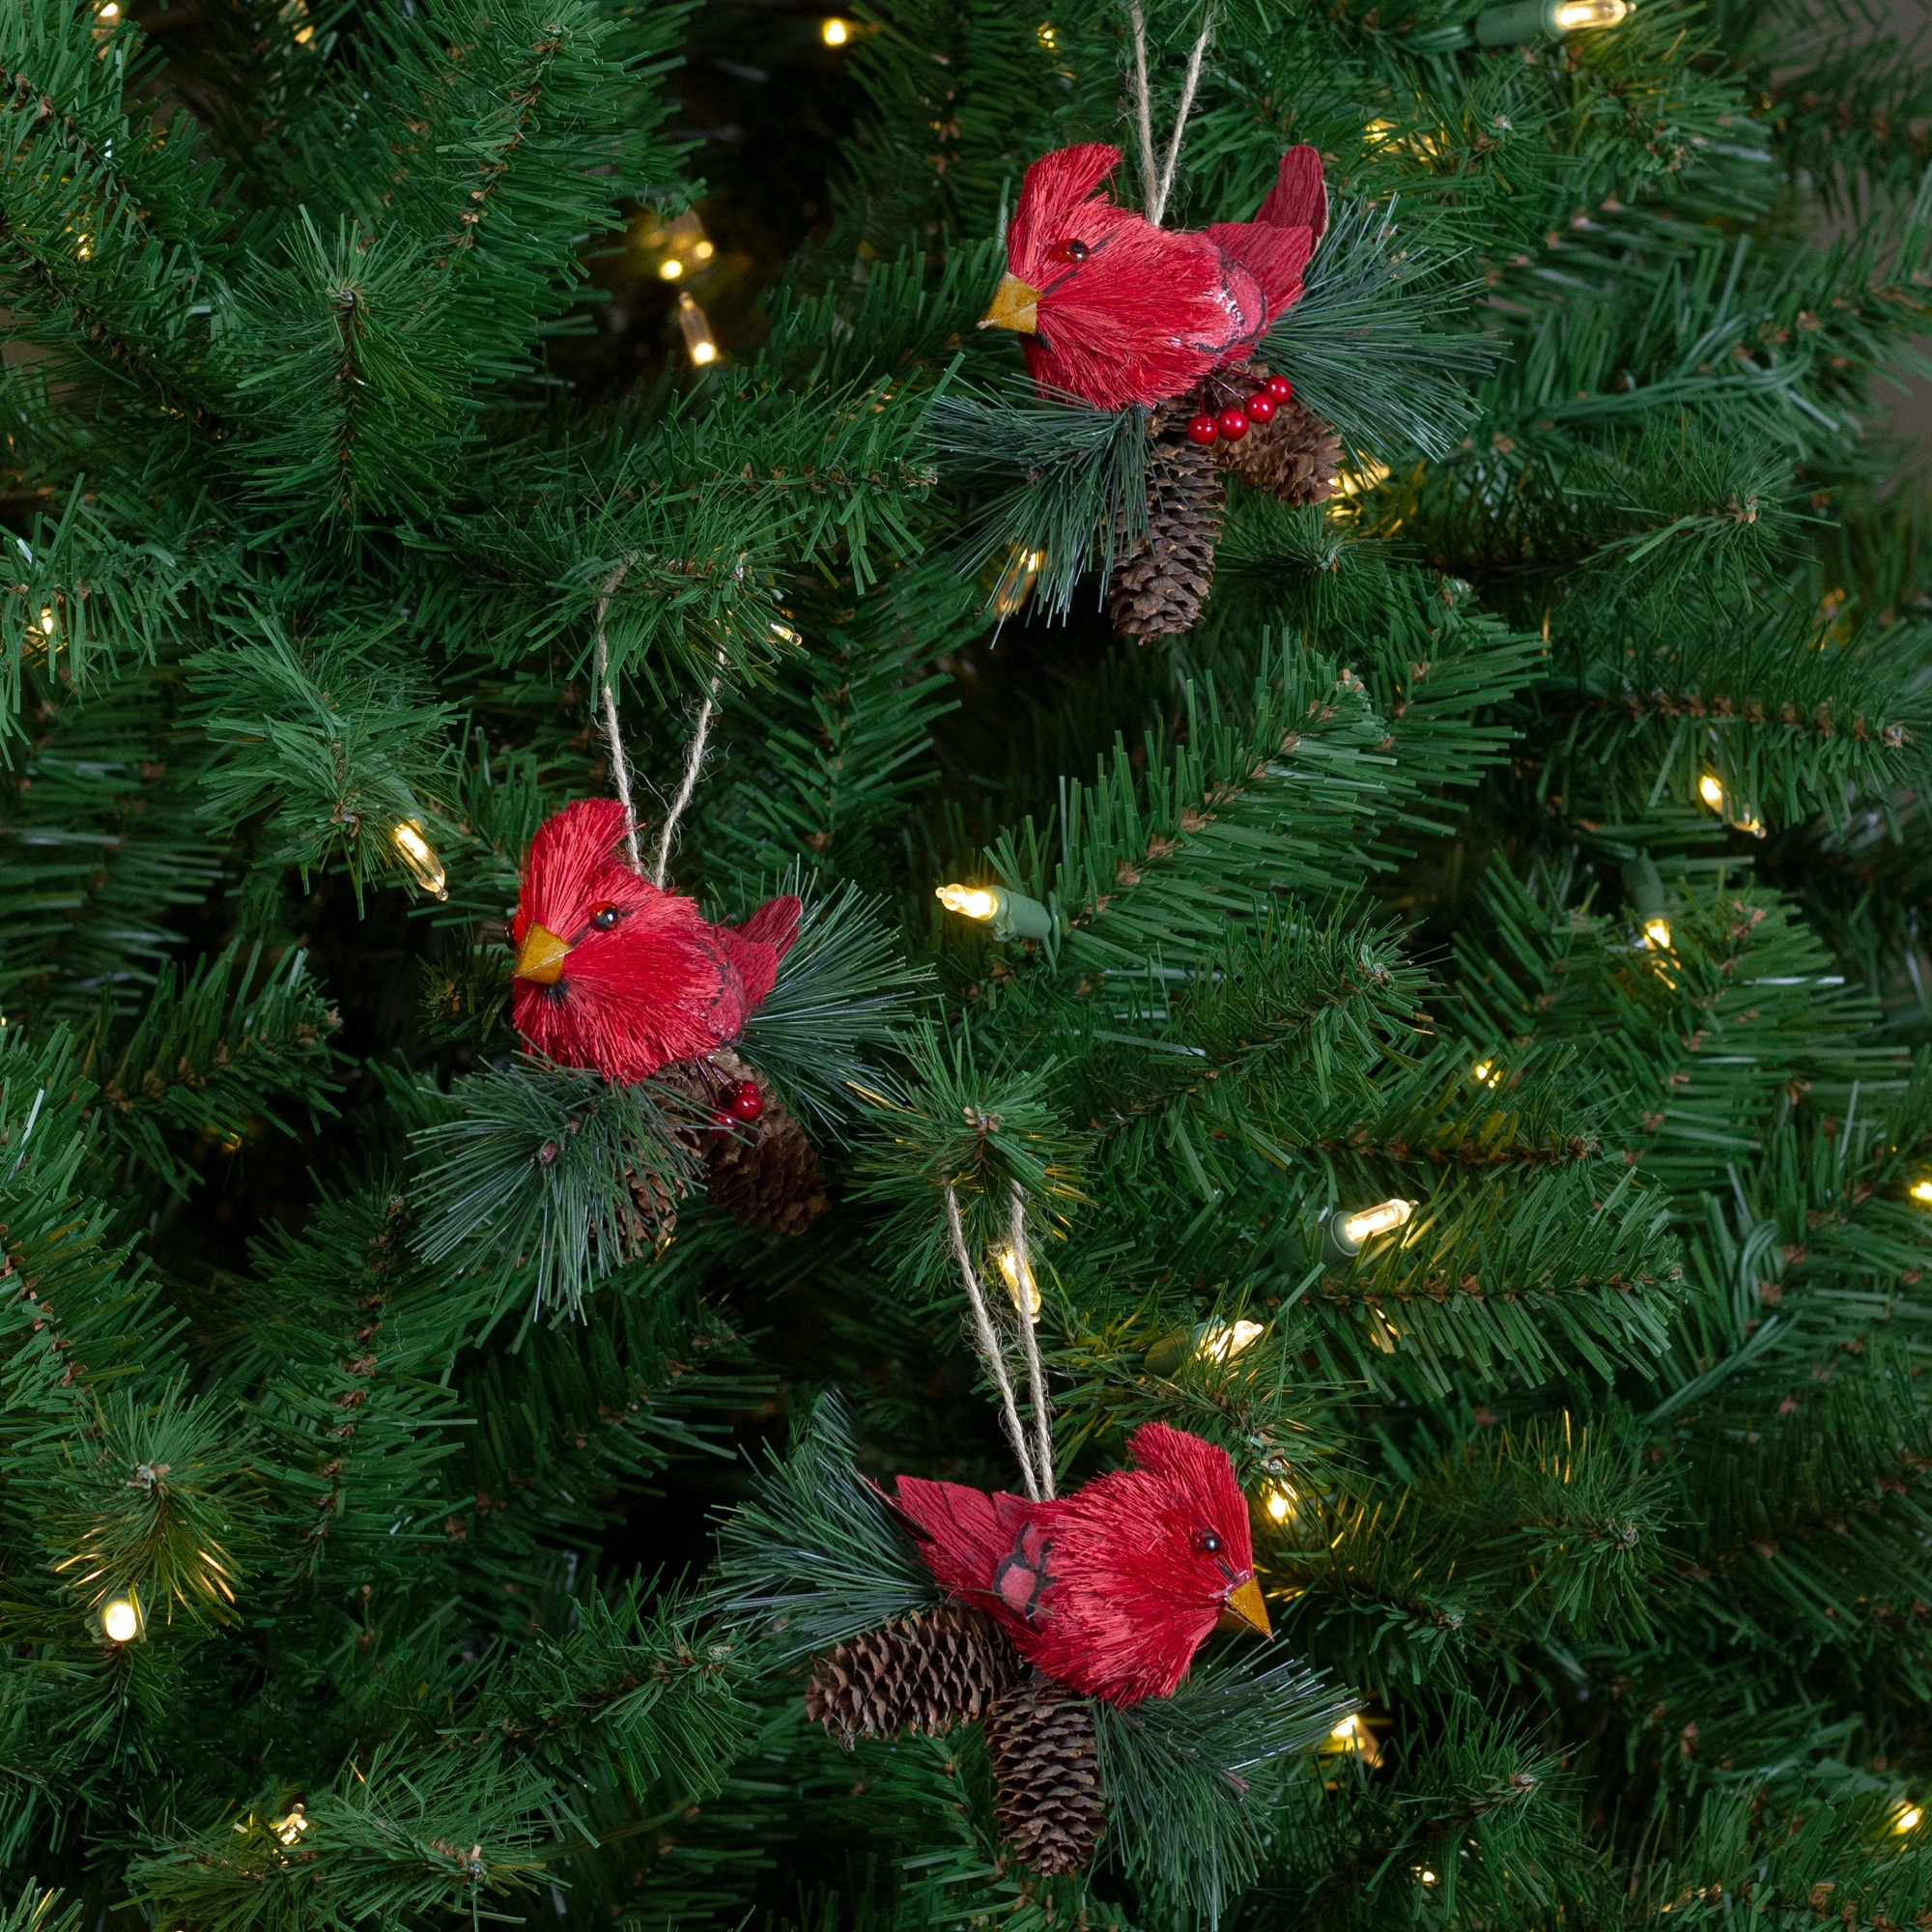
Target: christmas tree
962, 966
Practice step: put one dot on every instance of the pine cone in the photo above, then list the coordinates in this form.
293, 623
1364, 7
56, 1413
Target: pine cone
945, 1666
1294, 457
767, 1176
1047, 1761
652, 1219
1158, 588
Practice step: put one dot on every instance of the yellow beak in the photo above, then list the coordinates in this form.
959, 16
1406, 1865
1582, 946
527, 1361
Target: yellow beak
1013, 305
1244, 1610
541, 956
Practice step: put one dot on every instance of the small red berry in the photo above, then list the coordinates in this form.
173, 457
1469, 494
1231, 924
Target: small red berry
1232, 424
1279, 388
744, 1101
722, 1122
1202, 429
1260, 407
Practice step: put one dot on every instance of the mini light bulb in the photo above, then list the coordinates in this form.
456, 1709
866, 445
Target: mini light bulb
1047, 38
1907, 1819
1020, 1285
968, 901
419, 856
47, 620
834, 32
122, 1620
1427, 1876
1012, 915
1013, 585
1711, 791
1657, 934
1921, 1190
785, 633
1223, 1344
1364, 475
1278, 1499
700, 345
670, 268
1344, 1733
110, 12
289, 1830
1543, 19
1485, 1073
1376, 1220
704, 250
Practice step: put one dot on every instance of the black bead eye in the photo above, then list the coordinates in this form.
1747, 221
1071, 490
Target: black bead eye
604, 918
1070, 251
1208, 1543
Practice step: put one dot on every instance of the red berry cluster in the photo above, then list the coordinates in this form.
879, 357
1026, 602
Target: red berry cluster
743, 1103
1233, 423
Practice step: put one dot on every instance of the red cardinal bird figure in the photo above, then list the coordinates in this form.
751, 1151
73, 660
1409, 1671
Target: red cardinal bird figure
613, 972
1117, 311
1113, 1589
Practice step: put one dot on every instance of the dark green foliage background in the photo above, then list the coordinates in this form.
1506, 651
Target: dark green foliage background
344, 399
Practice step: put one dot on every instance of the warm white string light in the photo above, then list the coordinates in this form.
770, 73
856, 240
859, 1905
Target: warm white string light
418, 856
1380, 1219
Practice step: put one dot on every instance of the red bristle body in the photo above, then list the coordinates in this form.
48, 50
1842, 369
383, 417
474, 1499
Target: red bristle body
1110, 1590
1145, 312
661, 983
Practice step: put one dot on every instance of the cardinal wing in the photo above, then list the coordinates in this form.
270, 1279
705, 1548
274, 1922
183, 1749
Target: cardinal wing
968, 1534
1274, 256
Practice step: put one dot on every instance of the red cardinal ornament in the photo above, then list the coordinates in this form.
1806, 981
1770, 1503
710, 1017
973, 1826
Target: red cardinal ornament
1117, 311
1113, 1589
613, 972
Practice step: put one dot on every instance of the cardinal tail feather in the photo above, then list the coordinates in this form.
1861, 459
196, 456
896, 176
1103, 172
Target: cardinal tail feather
755, 948
1299, 197
775, 924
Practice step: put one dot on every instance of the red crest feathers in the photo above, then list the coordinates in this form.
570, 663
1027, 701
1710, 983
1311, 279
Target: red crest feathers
617, 973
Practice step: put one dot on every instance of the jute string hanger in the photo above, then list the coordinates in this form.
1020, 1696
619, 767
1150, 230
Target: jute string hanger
1157, 183
1031, 1450
620, 765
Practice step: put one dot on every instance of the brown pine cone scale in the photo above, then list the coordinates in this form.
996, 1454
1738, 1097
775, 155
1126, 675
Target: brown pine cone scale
1158, 588
945, 1667
1294, 457
764, 1173
768, 1178
1047, 1760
